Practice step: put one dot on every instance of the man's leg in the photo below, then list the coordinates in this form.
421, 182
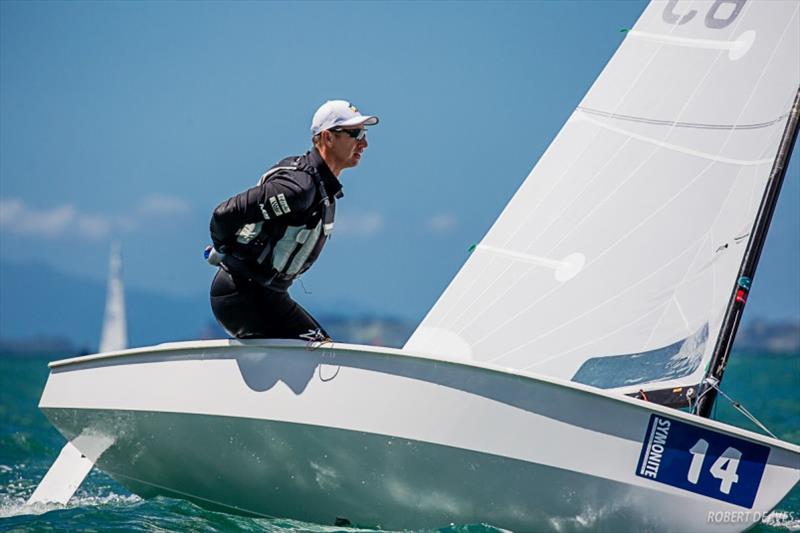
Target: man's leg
233, 305
287, 319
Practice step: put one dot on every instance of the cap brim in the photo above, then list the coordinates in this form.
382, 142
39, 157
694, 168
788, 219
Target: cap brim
362, 120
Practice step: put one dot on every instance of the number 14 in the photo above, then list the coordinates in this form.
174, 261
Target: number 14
724, 468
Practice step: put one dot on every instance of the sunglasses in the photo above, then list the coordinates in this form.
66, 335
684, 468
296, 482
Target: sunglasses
355, 134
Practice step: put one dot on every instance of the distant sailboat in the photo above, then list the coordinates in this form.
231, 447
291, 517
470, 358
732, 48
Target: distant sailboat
115, 330
71, 467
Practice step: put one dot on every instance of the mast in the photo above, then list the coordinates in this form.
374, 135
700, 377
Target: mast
733, 314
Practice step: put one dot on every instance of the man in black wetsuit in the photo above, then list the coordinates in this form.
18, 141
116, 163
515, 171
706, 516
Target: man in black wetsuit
266, 237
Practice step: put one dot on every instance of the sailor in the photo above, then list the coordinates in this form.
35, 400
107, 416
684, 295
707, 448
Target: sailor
266, 237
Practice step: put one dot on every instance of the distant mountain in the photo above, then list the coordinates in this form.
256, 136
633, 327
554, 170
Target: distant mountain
41, 307
358, 329
38, 301
50, 347
372, 330
773, 337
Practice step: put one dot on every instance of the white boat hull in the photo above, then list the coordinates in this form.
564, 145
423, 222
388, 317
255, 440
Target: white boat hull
383, 438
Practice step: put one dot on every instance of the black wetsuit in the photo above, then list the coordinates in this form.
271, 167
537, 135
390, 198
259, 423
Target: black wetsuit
270, 235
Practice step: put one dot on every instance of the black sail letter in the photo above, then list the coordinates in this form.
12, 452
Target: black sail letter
670, 17
713, 22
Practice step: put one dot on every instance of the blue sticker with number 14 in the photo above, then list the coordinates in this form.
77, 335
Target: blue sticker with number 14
703, 461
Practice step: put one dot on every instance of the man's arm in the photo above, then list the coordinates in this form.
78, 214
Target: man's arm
278, 198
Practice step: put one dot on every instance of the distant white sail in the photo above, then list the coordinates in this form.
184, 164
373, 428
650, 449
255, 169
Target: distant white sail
115, 330
614, 262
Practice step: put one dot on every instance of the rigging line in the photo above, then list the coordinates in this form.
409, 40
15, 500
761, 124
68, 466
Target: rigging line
621, 100
678, 148
655, 122
741, 408
597, 339
588, 311
597, 206
549, 252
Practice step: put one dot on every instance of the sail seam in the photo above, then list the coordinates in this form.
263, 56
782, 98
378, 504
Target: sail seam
678, 124
679, 148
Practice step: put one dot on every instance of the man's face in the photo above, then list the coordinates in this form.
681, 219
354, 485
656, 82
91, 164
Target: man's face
347, 149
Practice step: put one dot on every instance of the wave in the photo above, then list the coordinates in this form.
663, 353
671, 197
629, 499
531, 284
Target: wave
18, 506
782, 520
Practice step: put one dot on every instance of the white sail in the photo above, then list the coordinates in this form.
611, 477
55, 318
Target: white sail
115, 331
614, 262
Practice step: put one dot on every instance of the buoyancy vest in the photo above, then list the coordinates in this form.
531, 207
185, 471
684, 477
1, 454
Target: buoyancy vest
273, 252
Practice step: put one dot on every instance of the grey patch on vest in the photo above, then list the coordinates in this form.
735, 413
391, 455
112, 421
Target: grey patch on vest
309, 242
285, 246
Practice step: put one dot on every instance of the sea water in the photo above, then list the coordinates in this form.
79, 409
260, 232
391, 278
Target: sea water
766, 384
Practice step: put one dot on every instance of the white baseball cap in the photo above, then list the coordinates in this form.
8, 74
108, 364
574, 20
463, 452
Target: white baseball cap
339, 114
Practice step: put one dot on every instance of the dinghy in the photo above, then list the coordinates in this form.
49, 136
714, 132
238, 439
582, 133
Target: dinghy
563, 380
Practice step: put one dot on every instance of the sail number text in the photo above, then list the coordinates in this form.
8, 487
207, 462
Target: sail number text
724, 468
698, 459
719, 15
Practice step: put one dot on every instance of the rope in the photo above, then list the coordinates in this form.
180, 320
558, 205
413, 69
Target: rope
739, 407
317, 340
304, 286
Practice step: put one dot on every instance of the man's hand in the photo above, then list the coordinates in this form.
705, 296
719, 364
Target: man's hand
212, 256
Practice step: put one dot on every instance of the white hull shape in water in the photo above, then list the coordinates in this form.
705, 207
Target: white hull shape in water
380, 437
621, 266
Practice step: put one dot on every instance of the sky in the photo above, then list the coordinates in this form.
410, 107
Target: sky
133, 120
